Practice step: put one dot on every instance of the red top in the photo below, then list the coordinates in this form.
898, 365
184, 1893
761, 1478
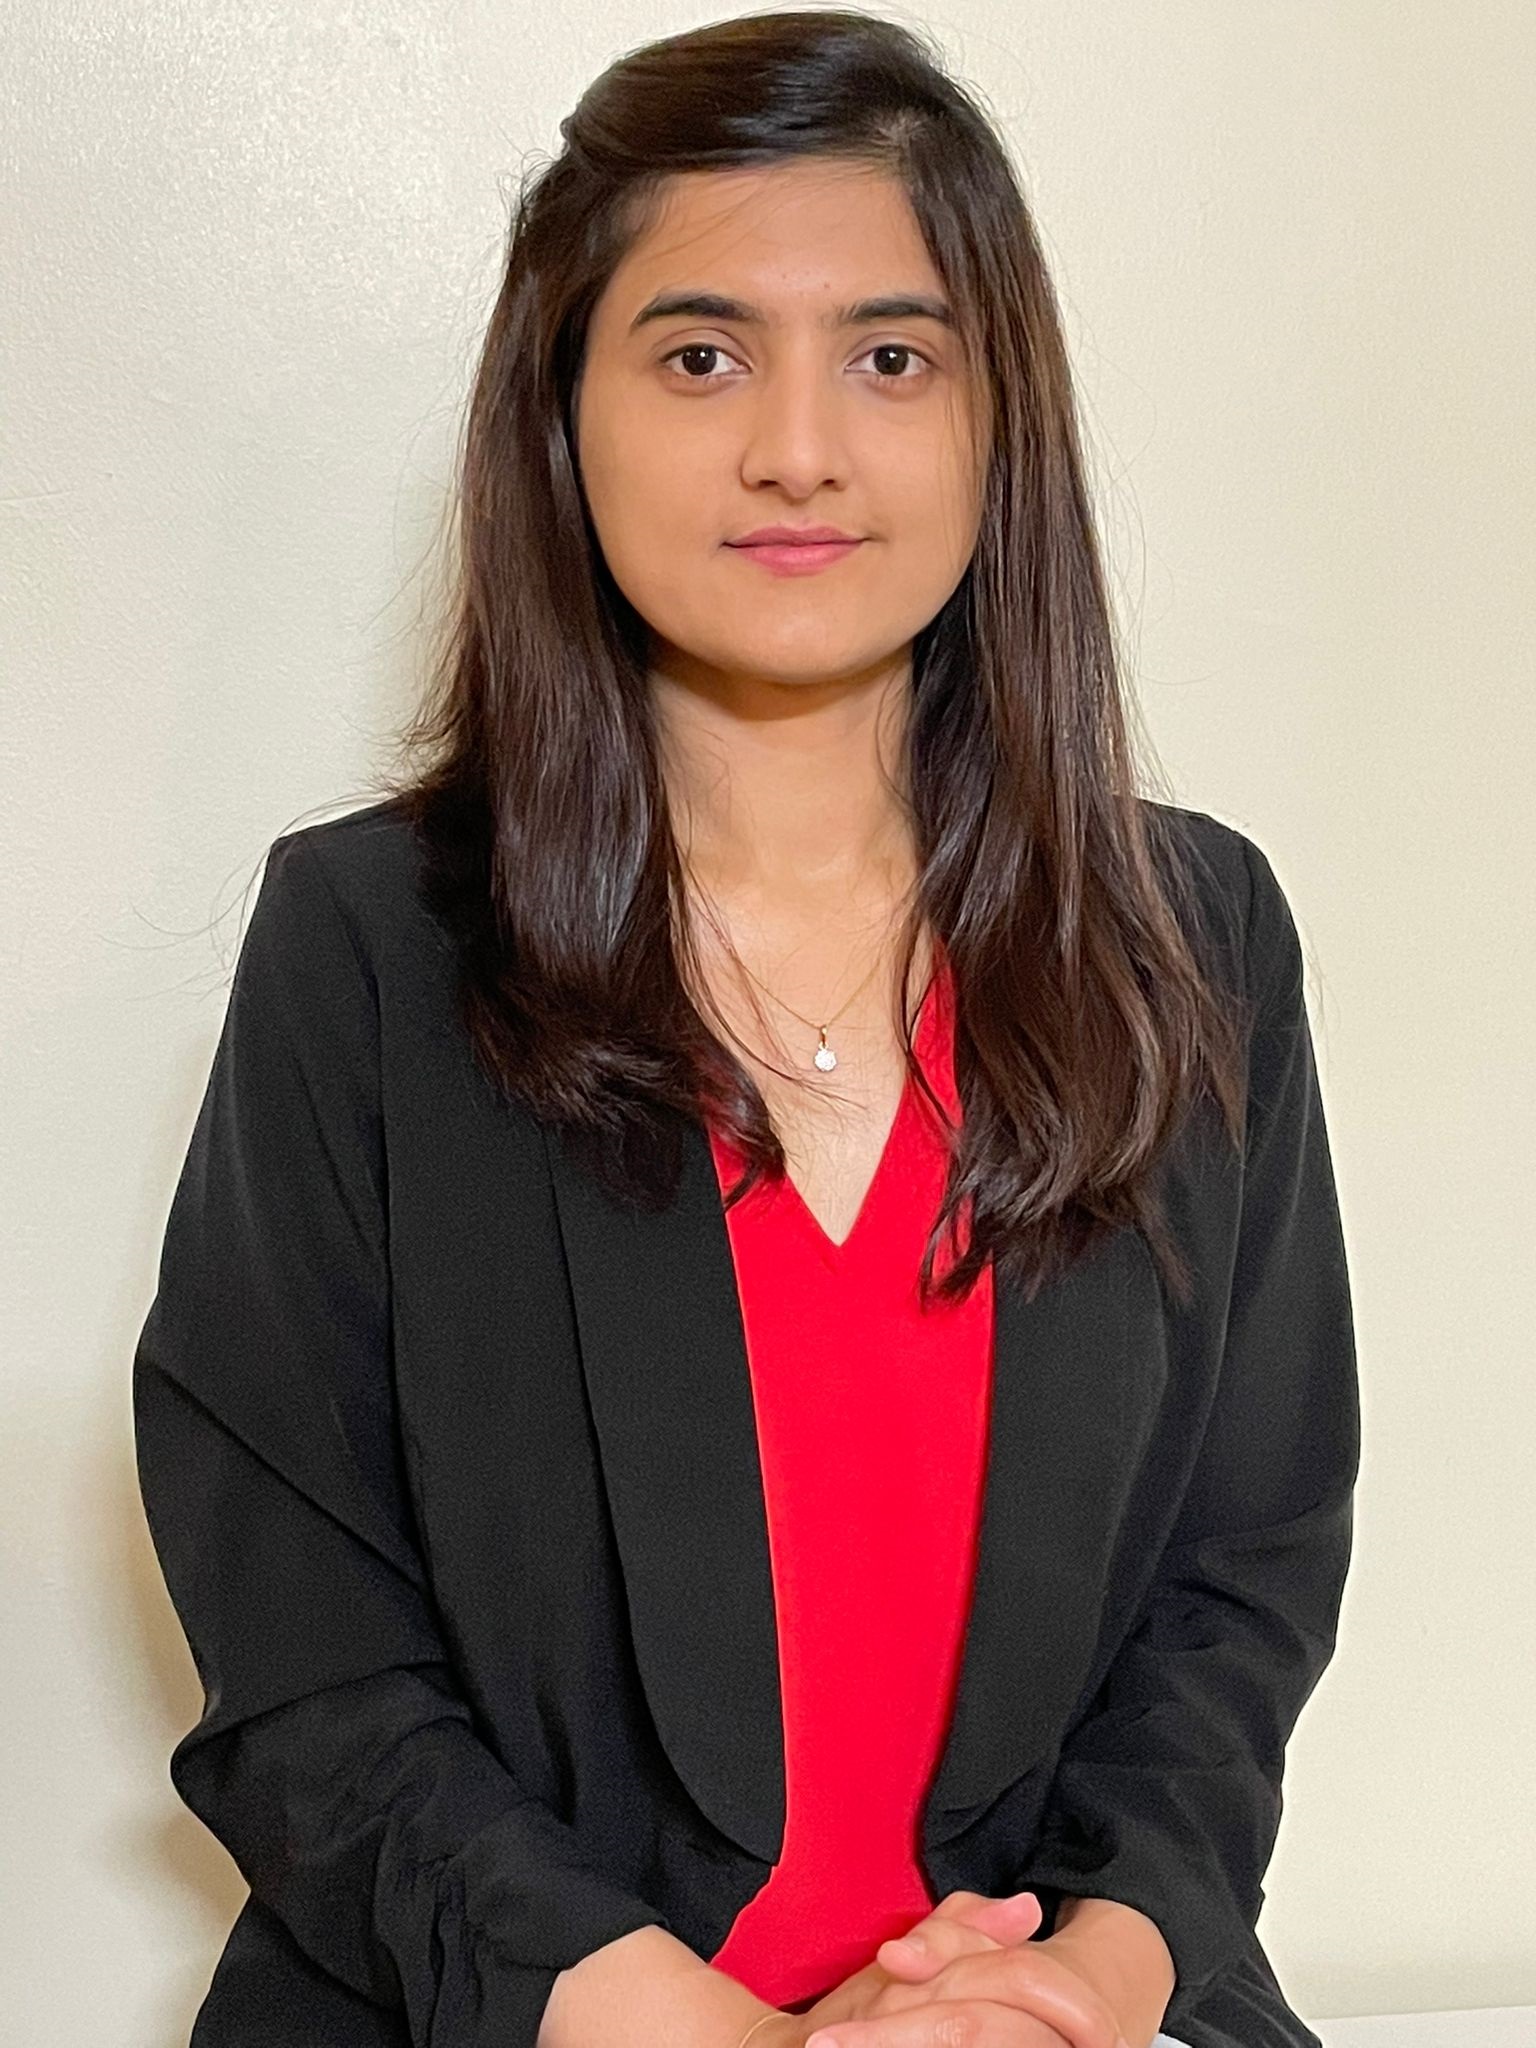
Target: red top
872, 1424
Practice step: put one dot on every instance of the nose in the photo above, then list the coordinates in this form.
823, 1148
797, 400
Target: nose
795, 428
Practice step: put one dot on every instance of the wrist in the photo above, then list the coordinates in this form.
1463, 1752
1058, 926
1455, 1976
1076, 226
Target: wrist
773, 2028
1122, 1954
736, 2012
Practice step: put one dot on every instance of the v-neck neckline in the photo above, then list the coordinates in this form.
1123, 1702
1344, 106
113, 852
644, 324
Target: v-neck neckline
837, 1251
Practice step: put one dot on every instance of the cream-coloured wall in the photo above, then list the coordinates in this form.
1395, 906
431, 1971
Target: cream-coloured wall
247, 249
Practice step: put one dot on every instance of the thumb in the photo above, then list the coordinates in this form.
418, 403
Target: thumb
1010, 1919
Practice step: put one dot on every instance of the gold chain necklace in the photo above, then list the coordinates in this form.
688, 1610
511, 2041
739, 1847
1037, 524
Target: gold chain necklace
824, 1059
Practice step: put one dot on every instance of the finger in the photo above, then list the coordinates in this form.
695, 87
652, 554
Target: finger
979, 2022
963, 1903
983, 1909
1030, 1978
932, 1941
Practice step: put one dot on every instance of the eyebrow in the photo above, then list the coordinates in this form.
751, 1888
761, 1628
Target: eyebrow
714, 306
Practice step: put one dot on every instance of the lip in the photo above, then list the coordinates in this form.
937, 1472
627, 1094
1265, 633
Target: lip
791, 536
792, 551
797, 560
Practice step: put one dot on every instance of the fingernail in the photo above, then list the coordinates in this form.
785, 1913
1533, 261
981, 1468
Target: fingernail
822, 2041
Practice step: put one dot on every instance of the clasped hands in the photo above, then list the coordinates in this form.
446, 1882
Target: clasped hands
967, 1971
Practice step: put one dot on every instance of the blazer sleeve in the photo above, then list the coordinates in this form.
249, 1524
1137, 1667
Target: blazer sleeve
335, 1758
1167, 1794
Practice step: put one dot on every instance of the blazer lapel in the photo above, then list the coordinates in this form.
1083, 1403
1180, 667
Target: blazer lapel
664, 1354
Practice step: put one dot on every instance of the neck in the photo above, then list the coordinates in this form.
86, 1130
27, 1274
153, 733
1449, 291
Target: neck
789, 793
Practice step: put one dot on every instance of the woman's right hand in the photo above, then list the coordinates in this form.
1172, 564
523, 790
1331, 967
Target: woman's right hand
961, 1923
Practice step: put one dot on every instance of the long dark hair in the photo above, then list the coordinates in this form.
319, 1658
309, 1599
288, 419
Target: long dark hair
1084, 1023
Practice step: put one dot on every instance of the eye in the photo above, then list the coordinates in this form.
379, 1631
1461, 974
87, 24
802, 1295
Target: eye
898, 348
880, 348
698, 348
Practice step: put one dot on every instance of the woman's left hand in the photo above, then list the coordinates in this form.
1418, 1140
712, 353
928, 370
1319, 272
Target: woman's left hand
1027, 1996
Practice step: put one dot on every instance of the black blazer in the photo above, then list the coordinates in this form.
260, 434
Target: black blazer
451, 1469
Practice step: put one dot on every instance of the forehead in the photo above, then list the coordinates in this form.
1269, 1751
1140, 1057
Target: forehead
786, 237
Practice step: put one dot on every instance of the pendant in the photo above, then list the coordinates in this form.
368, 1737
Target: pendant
824, 1056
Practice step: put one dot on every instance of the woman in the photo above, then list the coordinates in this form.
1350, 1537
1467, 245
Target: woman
752, 1352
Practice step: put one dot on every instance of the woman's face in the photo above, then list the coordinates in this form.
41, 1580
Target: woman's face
696, 426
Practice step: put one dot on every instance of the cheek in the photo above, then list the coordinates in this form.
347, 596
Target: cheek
645, 490
654, 539
659, 560
947, 507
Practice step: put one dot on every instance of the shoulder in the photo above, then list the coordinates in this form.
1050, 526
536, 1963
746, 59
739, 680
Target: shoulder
1228, 879
1218, 857
364, 870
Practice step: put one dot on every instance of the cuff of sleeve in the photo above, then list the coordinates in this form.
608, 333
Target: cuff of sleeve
492, 2000
1202, 1927
509, 1912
